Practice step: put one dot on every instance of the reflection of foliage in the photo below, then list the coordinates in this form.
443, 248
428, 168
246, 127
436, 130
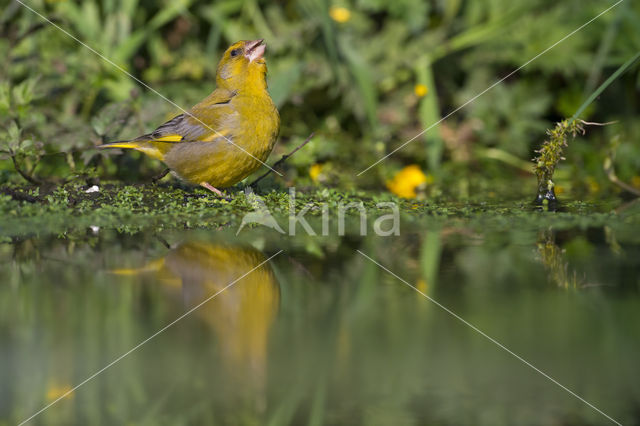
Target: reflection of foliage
553, 260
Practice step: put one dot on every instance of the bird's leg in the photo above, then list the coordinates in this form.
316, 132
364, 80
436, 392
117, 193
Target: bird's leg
214, 190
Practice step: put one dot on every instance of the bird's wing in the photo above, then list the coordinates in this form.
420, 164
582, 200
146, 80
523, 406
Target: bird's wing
205, 122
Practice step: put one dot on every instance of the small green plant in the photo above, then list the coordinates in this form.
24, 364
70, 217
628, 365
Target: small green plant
551, 152
19, 138
550, 155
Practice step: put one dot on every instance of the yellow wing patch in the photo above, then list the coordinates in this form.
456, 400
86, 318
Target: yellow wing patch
168, 138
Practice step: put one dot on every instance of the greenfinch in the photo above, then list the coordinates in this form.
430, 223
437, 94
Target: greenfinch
228, 135
195, 271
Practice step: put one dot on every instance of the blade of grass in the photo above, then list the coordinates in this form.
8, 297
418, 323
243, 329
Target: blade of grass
505, 157
361, 73
624, 67
429, 113
259, 21
477, 34
431, 253
316, 418
603, 50
285, 411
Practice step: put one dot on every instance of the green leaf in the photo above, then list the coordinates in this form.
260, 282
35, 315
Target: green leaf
14, 131
361, 72
429, 112
604, 85
5, 98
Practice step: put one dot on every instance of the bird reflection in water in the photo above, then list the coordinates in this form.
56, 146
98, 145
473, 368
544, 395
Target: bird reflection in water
240, 316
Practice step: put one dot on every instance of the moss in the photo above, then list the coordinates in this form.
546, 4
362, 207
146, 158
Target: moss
134, 208
550, 154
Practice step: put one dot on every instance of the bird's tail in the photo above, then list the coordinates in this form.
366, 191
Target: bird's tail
144, 146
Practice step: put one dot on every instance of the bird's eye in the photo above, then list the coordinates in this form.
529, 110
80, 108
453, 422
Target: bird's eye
236, 52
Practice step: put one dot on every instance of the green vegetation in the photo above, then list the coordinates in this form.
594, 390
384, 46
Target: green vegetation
550, 155
99, 256
366, 76
69, 210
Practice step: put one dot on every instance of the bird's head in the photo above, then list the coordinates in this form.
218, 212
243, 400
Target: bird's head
243, 67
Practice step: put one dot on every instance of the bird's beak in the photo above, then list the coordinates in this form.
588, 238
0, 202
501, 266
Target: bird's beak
254, 49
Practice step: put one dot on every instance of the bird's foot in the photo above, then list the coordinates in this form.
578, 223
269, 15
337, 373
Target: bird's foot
214, 190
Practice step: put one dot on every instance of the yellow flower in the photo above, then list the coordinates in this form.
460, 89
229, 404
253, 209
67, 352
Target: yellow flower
54, 392
422, 286
593, 185
420, 90
405, 182
635, 181
314, 172
340, 14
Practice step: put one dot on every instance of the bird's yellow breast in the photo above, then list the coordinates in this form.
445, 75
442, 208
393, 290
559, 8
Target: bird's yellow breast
225, 158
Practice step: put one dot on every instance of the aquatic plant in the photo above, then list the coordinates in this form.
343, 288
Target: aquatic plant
550, 154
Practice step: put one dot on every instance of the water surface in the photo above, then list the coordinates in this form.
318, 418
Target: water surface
262, 328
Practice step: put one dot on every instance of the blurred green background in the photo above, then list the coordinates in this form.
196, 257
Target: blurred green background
365, 75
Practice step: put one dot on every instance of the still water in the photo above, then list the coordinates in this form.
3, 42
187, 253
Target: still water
206, 327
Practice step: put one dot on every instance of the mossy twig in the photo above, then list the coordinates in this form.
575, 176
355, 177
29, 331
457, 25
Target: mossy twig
31, 179
281, 161
160, 175
550, 155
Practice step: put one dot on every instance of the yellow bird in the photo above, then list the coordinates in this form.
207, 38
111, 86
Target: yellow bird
228, 135
242, 314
